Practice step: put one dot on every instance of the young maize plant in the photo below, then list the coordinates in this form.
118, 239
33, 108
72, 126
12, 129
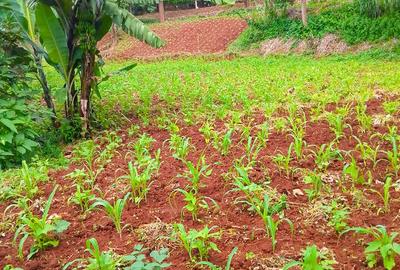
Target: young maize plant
208, 131
312, 260
228, 262
253, 148
196, 171
42, 230
315, 180
325, 155
180, 146
283, 162
29, 182
297, 132
363, 118
263, 134
266, 211
113, 211
198, 244
353, 171
338, 214
385, 195
367, 152
393, 155
82, 197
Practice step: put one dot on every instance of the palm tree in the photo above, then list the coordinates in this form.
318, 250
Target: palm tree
69, 31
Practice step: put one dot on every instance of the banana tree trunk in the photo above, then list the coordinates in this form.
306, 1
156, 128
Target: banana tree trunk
45, 86
304, 12
161, 10
86, 85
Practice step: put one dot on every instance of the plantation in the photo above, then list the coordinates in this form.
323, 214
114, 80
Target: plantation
202, 161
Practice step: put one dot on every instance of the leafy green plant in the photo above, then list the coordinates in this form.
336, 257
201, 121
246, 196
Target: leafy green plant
384, 245
367, 152
363, 118
82, 197
114, 211
393, 155
109, 260
29, 182
228, 262
195, 202
312, 260
253, 148
196, 171
297, 133
263, 134
222, 142
199, 242
391, 107
42, 229
338, 215
208, 131
337, 119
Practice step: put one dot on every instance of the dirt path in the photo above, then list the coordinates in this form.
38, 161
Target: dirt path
195, 37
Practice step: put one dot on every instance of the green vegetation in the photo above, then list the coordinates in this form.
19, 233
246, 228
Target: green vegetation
345, 21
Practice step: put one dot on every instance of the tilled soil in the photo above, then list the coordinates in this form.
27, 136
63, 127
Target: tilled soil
240, 228
182, 38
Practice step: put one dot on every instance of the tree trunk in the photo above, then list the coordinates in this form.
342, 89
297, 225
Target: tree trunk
45, 86
114, 35
86, 85
304, 12
195, 4
161, 10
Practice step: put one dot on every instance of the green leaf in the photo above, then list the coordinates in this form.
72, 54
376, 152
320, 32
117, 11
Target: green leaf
61, 225
9, 124
53, 36
131, 25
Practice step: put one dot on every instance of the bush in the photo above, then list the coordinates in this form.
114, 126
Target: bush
345, 21
16, 125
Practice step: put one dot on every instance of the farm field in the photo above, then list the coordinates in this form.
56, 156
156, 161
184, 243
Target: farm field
208, 155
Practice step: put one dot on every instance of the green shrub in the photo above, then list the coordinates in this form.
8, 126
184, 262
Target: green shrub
345, 21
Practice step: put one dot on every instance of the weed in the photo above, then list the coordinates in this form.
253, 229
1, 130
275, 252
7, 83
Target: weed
338, 215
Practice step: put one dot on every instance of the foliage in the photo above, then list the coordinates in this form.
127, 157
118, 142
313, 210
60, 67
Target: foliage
42, 229
312, 260
17, 134
384, 245
345, 21
107, 260
199, 242
114, 211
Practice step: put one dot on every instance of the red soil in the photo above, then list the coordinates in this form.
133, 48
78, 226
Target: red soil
239, 227
194, 38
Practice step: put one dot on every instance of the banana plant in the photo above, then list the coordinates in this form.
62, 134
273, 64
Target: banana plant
69, 31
